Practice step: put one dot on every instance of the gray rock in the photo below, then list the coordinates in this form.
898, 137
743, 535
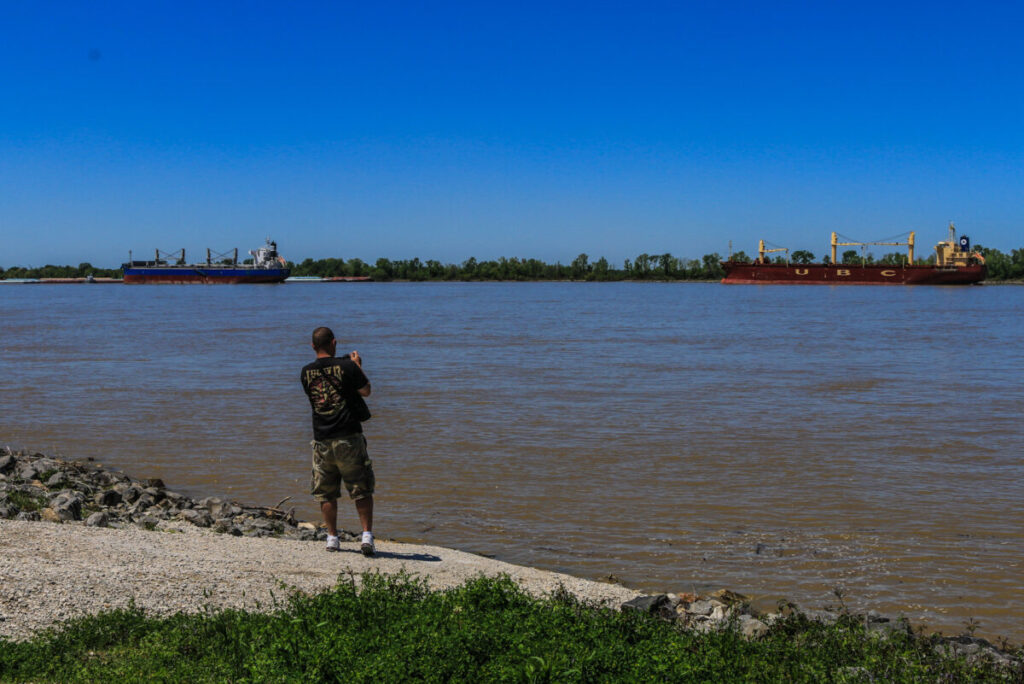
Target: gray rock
28, 473
32, 516
44, 464
891, 627
8, 511
658, 604
155, 482
751, 627
7, 462
208, 502
156, 494
68, 505
109, 497
822, 616
58, 479
99, 519
198, 518
130, 493
719, 610
107, 478
222, 525
260, 527
148, 522
700, 608
223, 510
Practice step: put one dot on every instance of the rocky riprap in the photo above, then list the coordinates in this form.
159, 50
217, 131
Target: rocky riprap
724, 609
37, 487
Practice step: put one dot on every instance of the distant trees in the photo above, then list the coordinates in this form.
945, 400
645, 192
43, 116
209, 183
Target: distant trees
1003, 266
83, 270
740, 257
664, 266
802, 256
644, 267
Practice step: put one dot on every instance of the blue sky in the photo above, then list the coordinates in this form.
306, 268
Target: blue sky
446, 131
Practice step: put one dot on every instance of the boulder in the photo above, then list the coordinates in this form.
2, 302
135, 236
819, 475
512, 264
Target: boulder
50, 515
155, 482
729, 597
223, 525
98, 519
224, 509
7, 462
130, 493
109, 497
700, 608
28, 472
657, 604
68, 505
156, 493
199, 518
751, 627
57, 480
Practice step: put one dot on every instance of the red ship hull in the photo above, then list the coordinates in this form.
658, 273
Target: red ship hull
848, 274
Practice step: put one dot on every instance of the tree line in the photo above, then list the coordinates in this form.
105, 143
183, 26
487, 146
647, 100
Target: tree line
643, 267
1001, 266
83, 270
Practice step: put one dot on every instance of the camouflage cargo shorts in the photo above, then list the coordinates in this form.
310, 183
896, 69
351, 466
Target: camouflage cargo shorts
341, 460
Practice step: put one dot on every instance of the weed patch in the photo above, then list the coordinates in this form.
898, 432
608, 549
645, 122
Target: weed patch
396, 629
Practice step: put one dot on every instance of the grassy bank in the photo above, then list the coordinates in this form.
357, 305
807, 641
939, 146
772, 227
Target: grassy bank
395, 629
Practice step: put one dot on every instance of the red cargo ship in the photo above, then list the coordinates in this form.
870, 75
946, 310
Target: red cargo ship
954, 264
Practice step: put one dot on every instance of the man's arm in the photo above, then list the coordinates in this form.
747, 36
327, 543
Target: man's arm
365, 389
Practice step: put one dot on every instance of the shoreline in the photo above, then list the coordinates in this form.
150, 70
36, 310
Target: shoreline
79, 538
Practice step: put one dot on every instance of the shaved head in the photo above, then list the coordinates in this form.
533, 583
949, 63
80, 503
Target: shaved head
322, 338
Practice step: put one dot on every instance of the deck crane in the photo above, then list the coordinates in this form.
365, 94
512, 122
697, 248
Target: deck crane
761, 251
909, 244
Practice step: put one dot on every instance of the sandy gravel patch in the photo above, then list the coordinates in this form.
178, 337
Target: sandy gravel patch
49, 572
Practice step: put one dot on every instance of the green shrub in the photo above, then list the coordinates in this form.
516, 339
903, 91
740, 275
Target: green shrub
395, 629
25, 501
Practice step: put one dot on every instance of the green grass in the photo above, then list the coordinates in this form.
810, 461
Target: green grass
25, 501
395, 629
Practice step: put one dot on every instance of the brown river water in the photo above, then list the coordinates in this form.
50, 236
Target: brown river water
783, 442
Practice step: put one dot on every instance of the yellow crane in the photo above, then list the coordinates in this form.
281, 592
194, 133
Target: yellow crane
761, 251
909, 244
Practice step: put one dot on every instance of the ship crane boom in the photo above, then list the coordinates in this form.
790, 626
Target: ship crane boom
909, 244
762, 250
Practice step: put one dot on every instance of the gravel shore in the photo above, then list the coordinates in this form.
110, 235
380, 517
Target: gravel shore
50, 572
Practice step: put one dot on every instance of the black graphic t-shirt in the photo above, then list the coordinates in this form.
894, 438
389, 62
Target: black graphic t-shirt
332, 415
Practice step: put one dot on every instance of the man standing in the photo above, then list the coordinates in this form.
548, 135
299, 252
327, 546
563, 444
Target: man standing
336, 387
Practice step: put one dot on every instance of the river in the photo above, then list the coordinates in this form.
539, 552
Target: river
821, 444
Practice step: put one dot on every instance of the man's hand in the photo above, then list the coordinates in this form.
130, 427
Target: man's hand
355, 357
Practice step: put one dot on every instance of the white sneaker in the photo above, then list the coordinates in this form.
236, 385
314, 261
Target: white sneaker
332, 543
367, 546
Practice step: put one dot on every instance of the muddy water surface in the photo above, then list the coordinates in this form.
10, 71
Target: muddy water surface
780, 441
